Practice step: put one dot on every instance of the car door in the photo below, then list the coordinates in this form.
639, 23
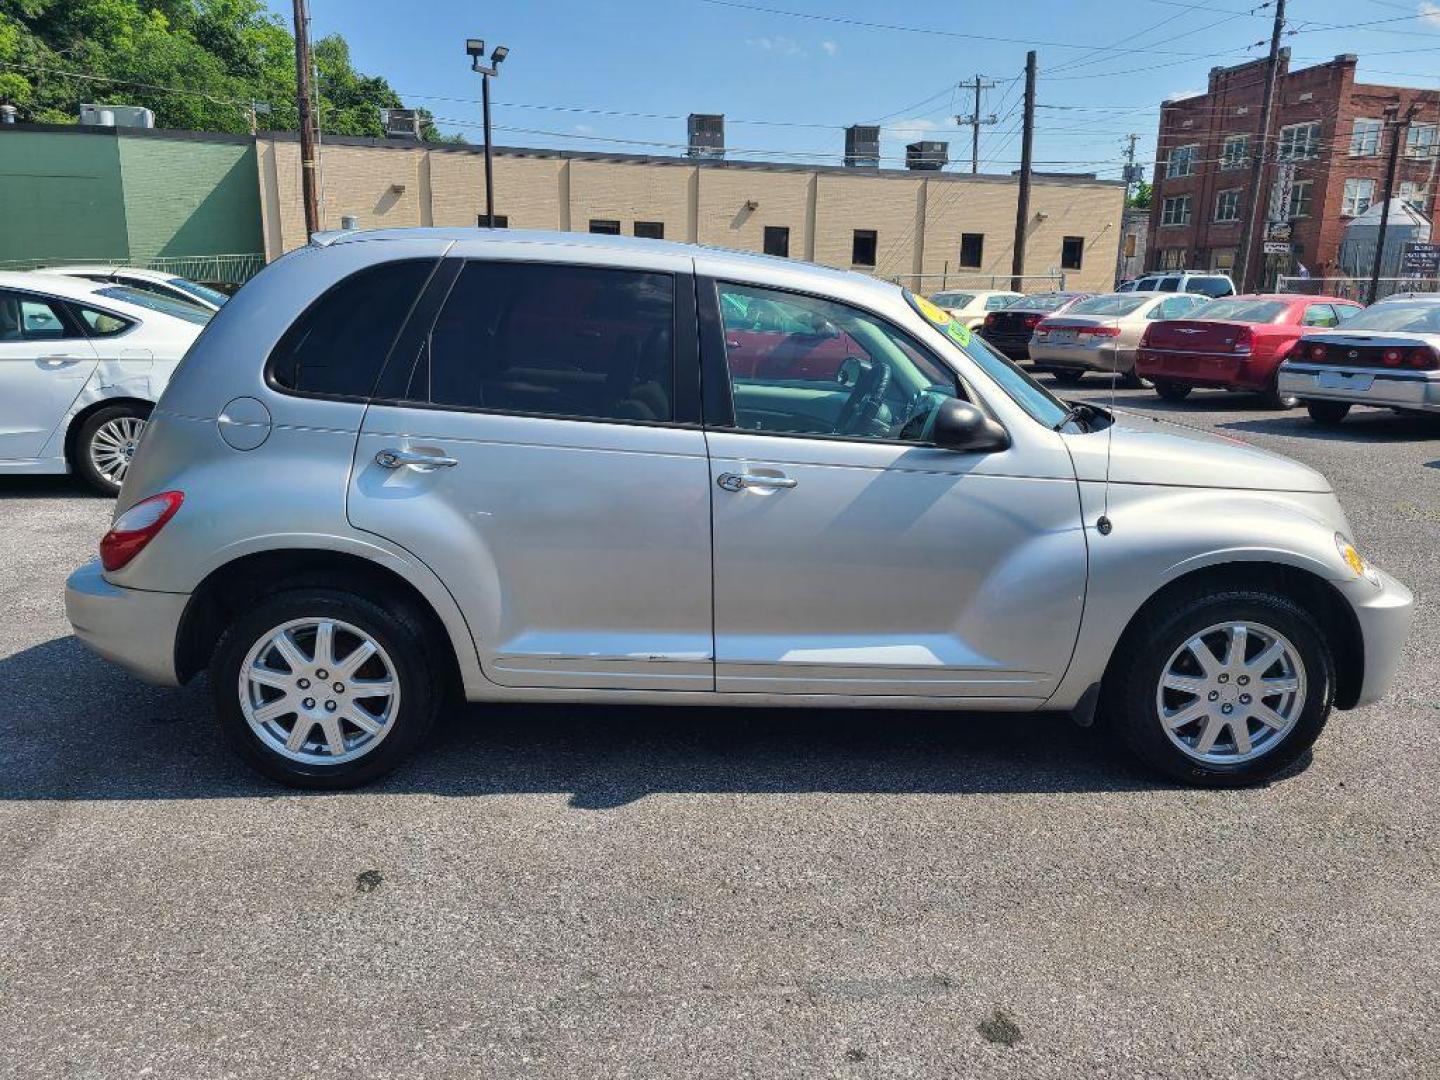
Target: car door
556, 482
851, 557
45, 361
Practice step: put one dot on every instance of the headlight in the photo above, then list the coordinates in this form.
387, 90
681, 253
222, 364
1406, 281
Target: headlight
1355, 560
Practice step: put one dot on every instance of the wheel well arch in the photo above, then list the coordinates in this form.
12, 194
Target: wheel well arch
1317, 596
76, 422
229, 589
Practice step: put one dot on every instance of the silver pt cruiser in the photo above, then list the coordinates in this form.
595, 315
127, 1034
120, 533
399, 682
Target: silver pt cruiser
514, 466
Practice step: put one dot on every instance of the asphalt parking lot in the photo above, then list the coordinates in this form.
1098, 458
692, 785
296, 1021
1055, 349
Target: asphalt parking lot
714, 893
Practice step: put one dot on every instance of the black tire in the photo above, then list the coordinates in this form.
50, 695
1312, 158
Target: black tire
1068, 376
1131, 380
397, 630
1271, 397
1129, 692
81, 461
1172, 391
1328, 413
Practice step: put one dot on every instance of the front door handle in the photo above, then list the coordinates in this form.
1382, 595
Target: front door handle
740, 481
396, 459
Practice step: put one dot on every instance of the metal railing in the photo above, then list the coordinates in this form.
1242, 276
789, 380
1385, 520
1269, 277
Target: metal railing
1350, 288
951, 282
224, 269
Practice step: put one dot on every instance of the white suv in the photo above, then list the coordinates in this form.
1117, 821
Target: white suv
1183, 281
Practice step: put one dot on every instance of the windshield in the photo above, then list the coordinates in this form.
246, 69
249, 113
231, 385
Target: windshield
203, 292
953, 299
175, 308
1042, 301
1417, 317
1256, 311
1042, 405
1121, 304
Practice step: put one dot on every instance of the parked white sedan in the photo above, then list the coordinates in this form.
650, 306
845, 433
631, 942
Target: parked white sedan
161, 284
81, 365
970, 306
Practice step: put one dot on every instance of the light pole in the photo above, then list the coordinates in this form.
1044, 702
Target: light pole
475, 49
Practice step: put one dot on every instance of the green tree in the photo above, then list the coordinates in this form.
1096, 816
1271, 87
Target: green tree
1140, 198
198, 64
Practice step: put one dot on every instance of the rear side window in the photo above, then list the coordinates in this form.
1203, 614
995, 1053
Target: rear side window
1210, 286
573, 341
102, 323
339, 344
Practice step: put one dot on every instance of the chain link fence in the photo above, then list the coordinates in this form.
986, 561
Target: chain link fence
925, 284
210, 269
1353, 288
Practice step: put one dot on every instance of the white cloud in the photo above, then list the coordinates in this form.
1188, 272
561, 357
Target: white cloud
779, 46
1181, 95
1429, 12
830, 47
911, 130
584, 129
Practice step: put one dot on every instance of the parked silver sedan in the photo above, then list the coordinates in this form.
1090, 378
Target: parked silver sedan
395, 467
1102, 333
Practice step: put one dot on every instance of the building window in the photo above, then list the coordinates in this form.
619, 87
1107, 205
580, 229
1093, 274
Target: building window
1420, 141
862, 248
777, 241
1227, 206
605, 226
1072, 252
1298, 141
502, 221
650, 230
1302, 195
1234, 151
1365, 139
972, 249
1182, 161
1415, 194
1172, 258
1175, 210
1222, 259
1359, 194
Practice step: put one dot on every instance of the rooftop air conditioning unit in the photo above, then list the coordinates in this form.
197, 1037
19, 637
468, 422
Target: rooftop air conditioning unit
706, 136
927, 155
133, 116
862, 146
401, 123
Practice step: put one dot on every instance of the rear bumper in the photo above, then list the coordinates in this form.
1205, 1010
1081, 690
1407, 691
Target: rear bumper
1014, 348
1108, 357
1384, 613
1205, 369
131, 627
1418, 390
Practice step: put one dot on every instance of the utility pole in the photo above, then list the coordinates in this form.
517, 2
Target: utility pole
1397, 128
1131, 175
974, 120
1262, 150
1022, 202
307, 124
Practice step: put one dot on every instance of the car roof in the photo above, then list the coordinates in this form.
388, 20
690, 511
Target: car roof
1289, 298
71, 288
144, 273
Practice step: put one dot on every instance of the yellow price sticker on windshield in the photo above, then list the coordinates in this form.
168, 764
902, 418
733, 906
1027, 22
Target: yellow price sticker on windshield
954, 330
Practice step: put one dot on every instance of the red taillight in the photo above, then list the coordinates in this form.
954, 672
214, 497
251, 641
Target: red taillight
1032, 321
989, 323
1390, 357
1316, 352
1042, 329
1244, 341
1099, 331
137, 527
1425, 358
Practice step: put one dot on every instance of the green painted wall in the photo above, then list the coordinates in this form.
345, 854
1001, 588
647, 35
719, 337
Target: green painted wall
185, 197
60, 197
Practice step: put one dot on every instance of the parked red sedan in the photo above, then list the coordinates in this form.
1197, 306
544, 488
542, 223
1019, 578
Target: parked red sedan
1235, 343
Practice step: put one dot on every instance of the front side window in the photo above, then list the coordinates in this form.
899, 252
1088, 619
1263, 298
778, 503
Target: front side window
1299, 141
1072, 252
1175, 210
1233, 154
1365, 138
862, 247
802, 365
29, 318
1181, 162
581, 342
338, 345
1319, 315
1227, 205
1359, 194
972, 249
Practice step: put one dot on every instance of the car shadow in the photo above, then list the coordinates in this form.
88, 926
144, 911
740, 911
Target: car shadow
48, 487
1362, 425
78, 728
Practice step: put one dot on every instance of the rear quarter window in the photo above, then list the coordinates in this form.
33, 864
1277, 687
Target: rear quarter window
337, 347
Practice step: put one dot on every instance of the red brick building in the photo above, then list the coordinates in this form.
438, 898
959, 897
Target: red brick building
1326, 125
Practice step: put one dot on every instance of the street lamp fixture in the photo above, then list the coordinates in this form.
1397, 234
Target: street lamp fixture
475, 49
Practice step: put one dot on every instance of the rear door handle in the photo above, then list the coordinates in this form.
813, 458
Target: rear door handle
396, 459
740, 481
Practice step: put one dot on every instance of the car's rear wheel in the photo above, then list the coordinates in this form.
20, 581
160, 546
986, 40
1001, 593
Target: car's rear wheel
1272, 398
320, 688
1068, 376
1221, 688
1131, 380
1329, 413
1172, 391
106, 443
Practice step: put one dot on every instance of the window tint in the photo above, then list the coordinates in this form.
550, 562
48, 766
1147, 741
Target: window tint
572, 341
1168, 284
777, 241
102, 323
29, 318
339, 344
862, 248
806, 366
166, 305
1210, 286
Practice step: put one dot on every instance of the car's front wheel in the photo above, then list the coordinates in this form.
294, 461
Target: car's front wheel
105, 444
1221, 688
1328, 413
320, 688
1172, 391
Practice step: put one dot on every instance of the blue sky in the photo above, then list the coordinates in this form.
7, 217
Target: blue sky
789, 83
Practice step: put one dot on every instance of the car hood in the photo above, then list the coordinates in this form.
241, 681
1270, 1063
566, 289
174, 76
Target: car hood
1143, 450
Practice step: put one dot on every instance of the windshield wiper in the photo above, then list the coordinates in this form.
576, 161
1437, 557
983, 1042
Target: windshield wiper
1072, 412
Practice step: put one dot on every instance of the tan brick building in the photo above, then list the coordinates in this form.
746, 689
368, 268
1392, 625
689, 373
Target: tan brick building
912, 225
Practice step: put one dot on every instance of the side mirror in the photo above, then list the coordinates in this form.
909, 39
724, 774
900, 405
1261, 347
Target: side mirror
961, 426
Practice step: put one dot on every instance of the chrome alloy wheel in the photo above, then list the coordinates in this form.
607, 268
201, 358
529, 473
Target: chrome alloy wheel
113, 445
1231, 693
319, 691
